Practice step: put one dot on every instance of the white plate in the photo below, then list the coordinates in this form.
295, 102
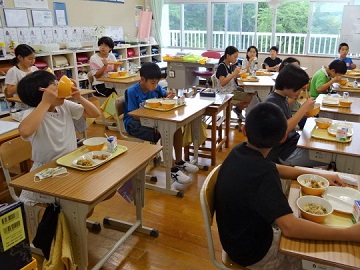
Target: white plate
95, 157
332, 129
330, 101
342, 194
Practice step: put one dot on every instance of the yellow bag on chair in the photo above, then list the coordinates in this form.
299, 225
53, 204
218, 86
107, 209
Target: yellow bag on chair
108, 107
187, 135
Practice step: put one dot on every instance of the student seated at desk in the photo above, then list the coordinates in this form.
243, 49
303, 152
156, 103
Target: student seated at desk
343, 51
325, 77
272, 63
23, 64
289, 84
100, 67
227, 74
136, 96
251, 209
48, 124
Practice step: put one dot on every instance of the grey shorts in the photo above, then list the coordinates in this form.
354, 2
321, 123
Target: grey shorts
144, 133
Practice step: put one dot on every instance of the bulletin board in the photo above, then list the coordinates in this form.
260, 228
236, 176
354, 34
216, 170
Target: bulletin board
60, 13
350, 28
42, 18
16, 17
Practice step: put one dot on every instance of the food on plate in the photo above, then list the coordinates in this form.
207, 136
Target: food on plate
84, 162
100, 157
313, 183
314, 208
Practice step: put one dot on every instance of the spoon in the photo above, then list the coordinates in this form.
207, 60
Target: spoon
107, 137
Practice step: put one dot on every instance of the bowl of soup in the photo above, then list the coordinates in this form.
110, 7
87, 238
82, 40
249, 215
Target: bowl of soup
64, 87
153, 103
314, 208
323, 123
168, 103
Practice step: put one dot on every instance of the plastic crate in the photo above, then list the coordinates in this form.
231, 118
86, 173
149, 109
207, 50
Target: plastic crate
31, 266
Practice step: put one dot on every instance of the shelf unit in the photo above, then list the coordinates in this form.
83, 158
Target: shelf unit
141, 53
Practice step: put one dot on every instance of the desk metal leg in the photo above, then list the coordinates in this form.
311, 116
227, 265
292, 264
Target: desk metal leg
138, 185
75, 214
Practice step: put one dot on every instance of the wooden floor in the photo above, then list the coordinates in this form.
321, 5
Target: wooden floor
182, 241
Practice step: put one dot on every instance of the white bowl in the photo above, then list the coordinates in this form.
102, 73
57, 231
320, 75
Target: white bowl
95, 143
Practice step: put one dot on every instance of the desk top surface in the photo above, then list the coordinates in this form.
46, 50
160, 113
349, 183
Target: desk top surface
177, 115
129, 80
340, 254
82, 92
10, 134
263, 81
354, 109
348, 149
89, 186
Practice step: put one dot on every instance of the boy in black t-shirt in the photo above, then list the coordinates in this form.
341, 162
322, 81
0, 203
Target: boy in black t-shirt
251, 208
272, 62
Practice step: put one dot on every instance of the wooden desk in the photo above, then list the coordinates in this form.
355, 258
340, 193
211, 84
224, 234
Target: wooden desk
264, 86
83, 92
119, 84
216, 140
344, 255
346, 155
167, 122
351, 113
8, 135
81, 191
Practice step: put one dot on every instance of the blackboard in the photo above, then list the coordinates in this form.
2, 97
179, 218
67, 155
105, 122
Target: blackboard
350, 28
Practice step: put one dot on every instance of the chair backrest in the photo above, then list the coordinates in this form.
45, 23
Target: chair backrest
214, 81
211, 54
207, 197
13, 153
120, 104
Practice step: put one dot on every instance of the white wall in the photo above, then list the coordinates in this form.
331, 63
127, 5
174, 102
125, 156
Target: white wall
91, 13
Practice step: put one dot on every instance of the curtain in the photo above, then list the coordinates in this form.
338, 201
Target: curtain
156, 7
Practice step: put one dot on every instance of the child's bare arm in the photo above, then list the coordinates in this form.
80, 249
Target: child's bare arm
324, 88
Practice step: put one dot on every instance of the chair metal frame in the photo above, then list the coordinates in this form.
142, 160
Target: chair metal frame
119, 118
207, 193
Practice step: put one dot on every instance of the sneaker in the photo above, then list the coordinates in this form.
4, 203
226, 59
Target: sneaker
188, 167
180, 177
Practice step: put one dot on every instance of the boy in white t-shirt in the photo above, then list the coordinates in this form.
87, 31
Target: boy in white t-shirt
48, 124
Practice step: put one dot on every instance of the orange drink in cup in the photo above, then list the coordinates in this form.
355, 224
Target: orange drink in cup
64, 87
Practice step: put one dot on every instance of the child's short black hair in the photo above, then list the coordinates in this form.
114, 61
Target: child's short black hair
339, 66
288, 60
343, 44
291, 77
150, 71
274, 48
265, 125
107, 41
28, 87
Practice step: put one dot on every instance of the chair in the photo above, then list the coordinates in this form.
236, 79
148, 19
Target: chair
208, 72
207, 206
15, 158
120, 109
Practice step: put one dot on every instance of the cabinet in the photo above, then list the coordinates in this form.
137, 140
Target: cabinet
66, 62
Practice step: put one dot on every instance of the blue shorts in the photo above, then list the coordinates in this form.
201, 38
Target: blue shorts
144, 133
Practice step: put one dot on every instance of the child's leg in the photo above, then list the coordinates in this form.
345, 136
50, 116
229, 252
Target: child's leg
178, 145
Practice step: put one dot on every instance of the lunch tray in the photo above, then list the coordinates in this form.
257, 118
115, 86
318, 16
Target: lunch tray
349, 86
322, 133
335, 105
160, 108
69, 158
249, 79
124, 77
336, 219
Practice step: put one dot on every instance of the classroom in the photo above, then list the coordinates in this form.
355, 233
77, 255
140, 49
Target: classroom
159, 95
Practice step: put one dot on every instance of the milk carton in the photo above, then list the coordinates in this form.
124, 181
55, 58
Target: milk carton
356, 211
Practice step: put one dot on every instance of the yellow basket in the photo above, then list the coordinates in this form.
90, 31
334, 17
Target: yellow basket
31, 266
